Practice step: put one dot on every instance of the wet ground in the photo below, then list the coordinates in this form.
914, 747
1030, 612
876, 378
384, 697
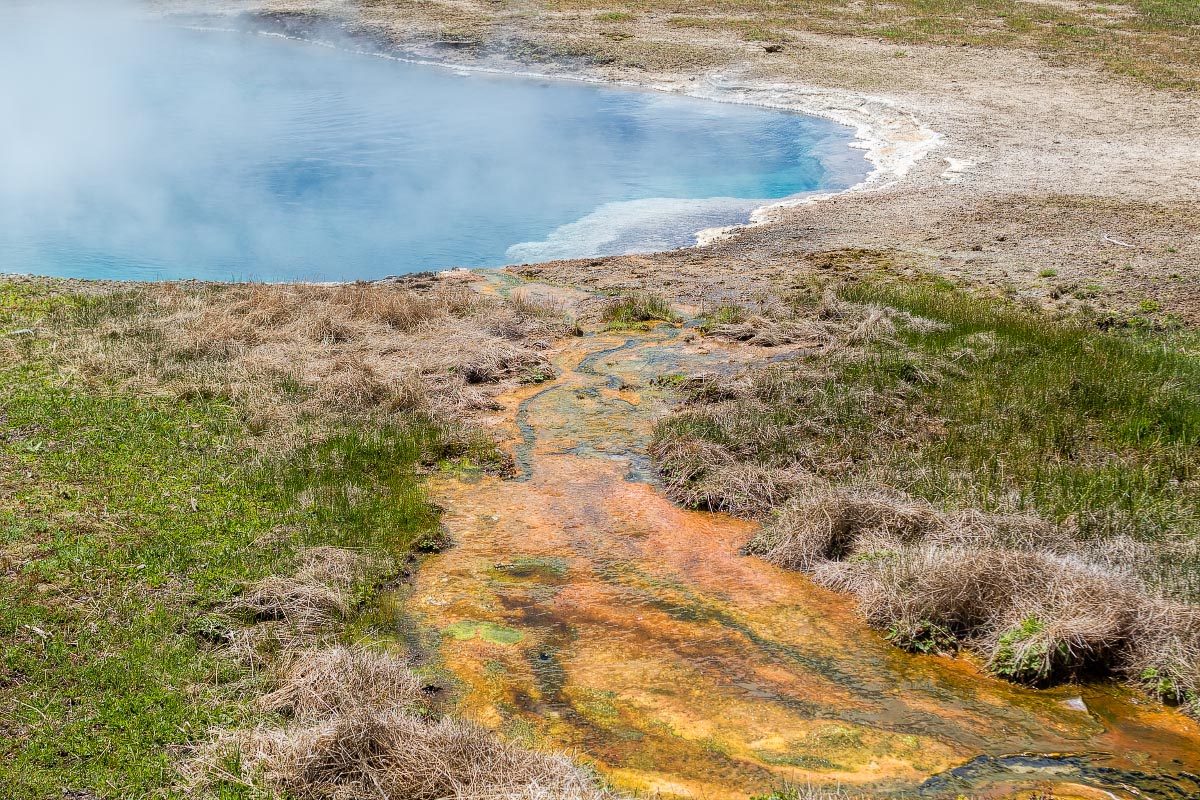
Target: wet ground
579, 609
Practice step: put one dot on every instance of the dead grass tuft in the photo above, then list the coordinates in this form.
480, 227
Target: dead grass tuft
304, 603
702, 475
357, 729
1022, 592
402, 310
394, 754
1164, 652
877, 324
339, 567
320, 683
353, 385
297, 354
742, 489
820, 525
767, 331
308, 607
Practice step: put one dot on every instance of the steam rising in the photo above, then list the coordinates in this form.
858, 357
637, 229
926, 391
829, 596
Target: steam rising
133, 149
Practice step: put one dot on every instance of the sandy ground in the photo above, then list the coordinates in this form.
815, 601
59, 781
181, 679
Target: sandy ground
1036, 167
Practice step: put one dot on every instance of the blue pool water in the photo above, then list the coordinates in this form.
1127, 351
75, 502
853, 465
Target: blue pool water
147, 152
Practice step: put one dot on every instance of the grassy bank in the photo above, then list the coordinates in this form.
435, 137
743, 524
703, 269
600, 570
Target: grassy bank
921, 431
170, 559
1150, 40
129, 527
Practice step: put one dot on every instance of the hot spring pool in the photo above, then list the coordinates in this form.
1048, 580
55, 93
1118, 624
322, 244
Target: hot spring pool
147, 152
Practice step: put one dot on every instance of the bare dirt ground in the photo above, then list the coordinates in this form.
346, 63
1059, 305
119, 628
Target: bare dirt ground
1040, 164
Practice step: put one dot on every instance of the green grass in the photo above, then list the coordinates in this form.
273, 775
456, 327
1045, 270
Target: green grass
1168, 14
1019, 659
126, 526
722, 315
1072, 420
1154, 41
995, 408
637, 312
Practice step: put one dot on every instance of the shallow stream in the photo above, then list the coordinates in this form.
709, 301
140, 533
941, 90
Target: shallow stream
579, 609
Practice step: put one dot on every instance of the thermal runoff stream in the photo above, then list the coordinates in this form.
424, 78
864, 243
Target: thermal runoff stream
138, 151
579, 609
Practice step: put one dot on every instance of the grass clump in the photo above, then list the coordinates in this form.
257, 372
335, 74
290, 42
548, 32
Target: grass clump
1040, 604
354, 722
637, 312
810, 792
765, 327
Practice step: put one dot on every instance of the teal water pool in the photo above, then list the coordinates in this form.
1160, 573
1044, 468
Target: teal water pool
147, 152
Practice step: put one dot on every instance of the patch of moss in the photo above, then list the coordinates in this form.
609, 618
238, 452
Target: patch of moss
487, 631
548, 569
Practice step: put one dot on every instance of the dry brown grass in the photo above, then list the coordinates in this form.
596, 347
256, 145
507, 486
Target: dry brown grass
398, 755
358, 728
302, 603
308, 607
339, 567
288, 354
811, 791
319, 683
766, 323
821, 526
765, 330
1038, 603
704, 476
1164, 652
1037, 618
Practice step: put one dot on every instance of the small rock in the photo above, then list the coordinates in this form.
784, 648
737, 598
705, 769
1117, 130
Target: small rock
1075, 704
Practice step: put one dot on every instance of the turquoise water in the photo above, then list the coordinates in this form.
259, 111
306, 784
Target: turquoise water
149, 152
